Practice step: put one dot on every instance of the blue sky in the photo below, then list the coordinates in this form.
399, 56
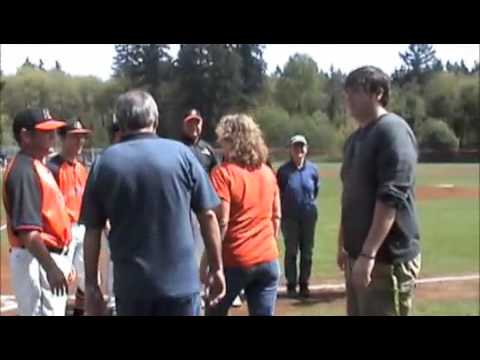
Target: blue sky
96, 59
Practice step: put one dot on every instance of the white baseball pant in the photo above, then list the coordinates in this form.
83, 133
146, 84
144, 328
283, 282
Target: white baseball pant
30, 285
76, 254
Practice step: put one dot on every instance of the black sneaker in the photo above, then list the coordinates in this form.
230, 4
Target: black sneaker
304, 291
291, 290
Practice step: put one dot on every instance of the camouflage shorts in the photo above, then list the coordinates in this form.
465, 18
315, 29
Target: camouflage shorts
390, 292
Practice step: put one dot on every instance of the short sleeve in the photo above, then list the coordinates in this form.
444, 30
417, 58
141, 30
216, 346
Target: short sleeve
203, 194
395, 166
221, 183
24, 199
92, 214
316, 180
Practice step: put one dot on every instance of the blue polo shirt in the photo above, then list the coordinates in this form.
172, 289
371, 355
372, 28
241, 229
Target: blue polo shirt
147, 187
298, 189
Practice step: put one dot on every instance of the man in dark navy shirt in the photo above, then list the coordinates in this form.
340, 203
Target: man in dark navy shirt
146, 187
192, 126
191, 136
379, 241
298, 182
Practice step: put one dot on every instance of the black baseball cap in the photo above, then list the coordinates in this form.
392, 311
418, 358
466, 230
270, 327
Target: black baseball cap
193, 115
36, 119
74, 127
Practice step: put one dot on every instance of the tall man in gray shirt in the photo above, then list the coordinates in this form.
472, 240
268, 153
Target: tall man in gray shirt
378, 245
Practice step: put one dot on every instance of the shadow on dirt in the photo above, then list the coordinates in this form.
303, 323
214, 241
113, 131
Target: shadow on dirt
316, 297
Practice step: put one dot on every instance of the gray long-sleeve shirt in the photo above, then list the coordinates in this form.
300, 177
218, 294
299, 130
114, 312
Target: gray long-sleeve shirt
379, 164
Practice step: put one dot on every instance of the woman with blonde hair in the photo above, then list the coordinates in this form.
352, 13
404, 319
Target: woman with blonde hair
249, 217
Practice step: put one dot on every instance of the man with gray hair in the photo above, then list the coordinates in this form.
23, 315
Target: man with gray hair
146, 187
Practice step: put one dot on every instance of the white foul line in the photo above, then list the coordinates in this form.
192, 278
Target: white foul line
431, 280
9, 304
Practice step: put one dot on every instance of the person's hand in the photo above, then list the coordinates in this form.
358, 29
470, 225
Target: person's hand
216, 287
341, 258
94, 303
57, 281
72, 276
362, 271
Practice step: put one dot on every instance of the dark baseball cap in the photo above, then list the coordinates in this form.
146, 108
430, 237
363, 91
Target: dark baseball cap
193, 115
74, 127
36, 119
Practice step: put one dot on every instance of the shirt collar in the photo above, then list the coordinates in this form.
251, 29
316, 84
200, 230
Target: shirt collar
189, 141
138, 136
292, 164
71, 163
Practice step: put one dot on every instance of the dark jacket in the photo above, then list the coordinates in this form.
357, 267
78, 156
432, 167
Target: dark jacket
203, 152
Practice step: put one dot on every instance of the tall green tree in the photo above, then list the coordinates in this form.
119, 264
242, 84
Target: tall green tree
335, 109
146, 66
300, 87
217, 78
418, 60
253, 69
210, 80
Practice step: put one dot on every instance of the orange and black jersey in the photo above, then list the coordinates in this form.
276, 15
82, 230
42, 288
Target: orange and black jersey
71, 177
33, 201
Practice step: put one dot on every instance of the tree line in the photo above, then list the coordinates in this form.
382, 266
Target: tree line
440, 101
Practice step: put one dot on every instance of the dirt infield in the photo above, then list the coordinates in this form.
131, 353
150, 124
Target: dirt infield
330, 174
334, 299
438, 193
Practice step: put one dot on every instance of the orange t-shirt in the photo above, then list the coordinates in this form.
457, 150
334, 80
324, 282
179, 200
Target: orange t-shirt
254, 202
33, 201
71, 178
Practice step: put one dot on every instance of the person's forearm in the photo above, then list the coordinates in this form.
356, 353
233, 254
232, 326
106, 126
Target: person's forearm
222, 213
276, 227
340, 236
212, 239
34, 243
223, 225
383, 219
277, 215
91, 248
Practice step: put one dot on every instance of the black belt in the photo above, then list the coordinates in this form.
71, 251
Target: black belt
59, 251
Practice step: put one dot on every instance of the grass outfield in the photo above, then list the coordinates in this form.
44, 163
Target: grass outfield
449, 227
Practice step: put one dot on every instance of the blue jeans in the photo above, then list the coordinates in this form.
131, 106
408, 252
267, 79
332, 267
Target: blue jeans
165, 306
260, 283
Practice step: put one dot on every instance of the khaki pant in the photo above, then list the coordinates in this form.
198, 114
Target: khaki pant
390, 292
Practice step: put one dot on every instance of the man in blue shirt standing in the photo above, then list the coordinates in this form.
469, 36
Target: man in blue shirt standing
298, 182
146, 187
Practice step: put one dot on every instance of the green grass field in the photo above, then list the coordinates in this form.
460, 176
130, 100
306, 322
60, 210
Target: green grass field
449, 227
449, 230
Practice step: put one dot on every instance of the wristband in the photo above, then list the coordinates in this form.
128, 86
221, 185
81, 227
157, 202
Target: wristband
367, 256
